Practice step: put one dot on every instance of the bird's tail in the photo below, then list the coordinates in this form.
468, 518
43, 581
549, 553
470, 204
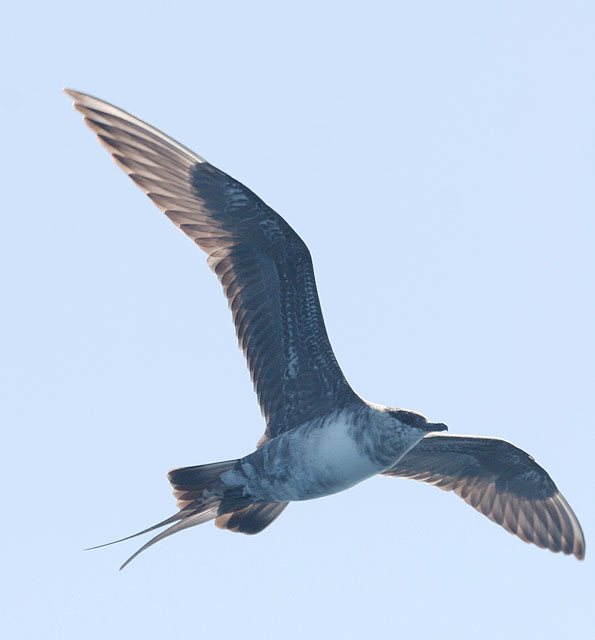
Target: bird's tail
202, 496
233, 511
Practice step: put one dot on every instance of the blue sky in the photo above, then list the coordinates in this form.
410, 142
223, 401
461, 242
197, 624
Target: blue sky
438, 160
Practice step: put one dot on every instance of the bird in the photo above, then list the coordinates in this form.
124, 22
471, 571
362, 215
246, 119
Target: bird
321, 437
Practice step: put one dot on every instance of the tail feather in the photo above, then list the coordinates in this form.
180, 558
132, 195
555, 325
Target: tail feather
235, 512
188, 521
202, 496
251, 519
177, 516
195, 483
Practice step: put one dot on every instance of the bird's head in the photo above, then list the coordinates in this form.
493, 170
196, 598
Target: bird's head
416, 420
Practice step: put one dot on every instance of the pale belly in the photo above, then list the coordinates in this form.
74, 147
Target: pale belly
309, 462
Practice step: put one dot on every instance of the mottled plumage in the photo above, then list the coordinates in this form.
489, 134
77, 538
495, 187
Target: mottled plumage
502, 482
320, 436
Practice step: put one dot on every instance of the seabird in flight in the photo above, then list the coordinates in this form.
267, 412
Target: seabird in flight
320, 437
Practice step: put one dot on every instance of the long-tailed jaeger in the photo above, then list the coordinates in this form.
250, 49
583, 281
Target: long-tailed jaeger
320, 437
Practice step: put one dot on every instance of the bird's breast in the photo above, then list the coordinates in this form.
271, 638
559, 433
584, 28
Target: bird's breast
314, 460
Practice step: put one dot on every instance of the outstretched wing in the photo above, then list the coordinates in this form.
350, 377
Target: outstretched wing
263, 265
502, 482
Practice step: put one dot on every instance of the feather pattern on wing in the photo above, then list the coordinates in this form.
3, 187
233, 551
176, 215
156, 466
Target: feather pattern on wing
263, 265
502, 482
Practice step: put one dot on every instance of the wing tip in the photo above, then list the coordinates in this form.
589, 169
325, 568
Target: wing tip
77, 96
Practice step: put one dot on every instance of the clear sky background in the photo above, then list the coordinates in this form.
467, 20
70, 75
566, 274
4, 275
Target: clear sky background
438, 159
